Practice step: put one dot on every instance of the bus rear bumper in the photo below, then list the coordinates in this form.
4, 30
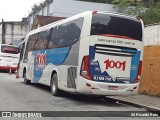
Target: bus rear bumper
103, 88
8, 68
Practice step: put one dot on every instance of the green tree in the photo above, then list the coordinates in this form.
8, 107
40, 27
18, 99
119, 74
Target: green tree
148, 10
98, 1
37, 6
126, 6
150, 16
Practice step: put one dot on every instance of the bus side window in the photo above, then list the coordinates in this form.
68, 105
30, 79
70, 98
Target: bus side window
73, 31
61, 39
51, 42
65, 35
30, 45
21, 50
42, 40
57, 37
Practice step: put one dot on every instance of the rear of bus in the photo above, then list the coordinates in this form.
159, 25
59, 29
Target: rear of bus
9, 57
111, 64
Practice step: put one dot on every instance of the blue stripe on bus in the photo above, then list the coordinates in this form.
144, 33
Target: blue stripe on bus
134, 66
53, 56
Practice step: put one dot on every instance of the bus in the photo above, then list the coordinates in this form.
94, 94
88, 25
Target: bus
9, 57
91, 53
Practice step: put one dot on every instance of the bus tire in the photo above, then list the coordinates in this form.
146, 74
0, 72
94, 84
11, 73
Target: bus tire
27, 82
54, 85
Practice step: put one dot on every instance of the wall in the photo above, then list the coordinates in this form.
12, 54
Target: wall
150, 79
152, 35
13, 31
72, 7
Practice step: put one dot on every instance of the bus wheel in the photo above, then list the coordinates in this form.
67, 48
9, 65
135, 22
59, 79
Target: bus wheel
54, 85
27, 82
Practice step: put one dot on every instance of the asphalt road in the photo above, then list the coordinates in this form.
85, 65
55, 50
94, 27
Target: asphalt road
16, 96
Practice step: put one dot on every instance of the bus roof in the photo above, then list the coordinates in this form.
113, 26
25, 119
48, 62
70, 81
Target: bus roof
83, 14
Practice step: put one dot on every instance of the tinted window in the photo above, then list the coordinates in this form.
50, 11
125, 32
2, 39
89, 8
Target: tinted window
30, 45
31, 42
9, 49
21, 50
115, 25
66, 34
58, 36
42, 38
73, 31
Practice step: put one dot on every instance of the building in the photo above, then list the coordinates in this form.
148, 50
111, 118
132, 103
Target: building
40, 21
49, 11
11, 32
66, 8
152, 34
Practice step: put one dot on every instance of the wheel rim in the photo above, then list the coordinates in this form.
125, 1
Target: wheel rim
53, 86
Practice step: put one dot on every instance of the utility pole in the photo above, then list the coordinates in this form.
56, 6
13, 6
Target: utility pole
3, 32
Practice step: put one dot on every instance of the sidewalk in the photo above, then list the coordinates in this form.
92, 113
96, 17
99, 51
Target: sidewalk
149, 102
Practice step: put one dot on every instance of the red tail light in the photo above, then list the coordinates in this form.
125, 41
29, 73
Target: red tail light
85, 70
138, 18
94, 12
139, 72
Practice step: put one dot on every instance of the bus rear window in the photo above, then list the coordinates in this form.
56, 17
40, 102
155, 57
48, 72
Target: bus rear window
116, 25
9, 49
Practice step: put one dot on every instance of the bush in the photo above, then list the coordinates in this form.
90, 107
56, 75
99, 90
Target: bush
150, 16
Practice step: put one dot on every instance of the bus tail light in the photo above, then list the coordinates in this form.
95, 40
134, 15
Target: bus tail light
139, 72
94, 12
138, 18
85, 71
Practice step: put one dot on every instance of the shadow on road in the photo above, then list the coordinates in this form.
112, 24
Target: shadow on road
87, 99
4, 71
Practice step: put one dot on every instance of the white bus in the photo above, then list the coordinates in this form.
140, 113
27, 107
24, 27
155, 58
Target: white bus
9, 57
94, 53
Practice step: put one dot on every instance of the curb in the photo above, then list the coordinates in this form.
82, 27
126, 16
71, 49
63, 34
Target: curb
148, 108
